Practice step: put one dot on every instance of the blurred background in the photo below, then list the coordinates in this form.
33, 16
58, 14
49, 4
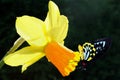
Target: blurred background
88, 20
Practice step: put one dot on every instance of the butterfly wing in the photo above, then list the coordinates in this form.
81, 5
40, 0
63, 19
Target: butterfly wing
88, 51
102, 45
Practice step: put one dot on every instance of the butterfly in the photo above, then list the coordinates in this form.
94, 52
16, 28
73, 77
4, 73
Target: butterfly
92, 50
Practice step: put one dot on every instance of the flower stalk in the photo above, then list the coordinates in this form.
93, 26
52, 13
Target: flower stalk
15, 46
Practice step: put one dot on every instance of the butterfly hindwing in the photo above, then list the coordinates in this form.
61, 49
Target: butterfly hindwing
88, 51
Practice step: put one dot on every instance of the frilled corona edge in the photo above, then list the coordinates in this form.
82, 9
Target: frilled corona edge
64, 59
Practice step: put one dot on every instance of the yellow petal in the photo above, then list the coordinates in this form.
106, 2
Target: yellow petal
56, 25
59, 33
25, 57
52, 16
32, 30
53, 13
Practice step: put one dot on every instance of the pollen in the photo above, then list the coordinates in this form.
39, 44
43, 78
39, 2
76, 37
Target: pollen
64, 59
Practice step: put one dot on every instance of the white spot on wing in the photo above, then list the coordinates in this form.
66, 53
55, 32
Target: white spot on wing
87, 55
103, 43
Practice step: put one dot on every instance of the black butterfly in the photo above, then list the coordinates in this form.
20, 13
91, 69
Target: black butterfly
93, 50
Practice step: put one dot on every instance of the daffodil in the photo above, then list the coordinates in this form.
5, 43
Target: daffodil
46, 38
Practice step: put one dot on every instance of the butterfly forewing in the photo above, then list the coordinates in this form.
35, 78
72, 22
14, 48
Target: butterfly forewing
102, 45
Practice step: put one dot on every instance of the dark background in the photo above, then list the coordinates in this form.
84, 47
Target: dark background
88, 20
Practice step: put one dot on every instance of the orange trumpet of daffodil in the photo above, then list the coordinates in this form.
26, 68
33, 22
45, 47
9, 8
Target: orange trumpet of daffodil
46, 38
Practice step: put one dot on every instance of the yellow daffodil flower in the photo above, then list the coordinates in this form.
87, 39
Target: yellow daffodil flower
46, 38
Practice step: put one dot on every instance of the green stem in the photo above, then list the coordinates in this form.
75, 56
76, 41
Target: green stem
15, 46
1, 63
